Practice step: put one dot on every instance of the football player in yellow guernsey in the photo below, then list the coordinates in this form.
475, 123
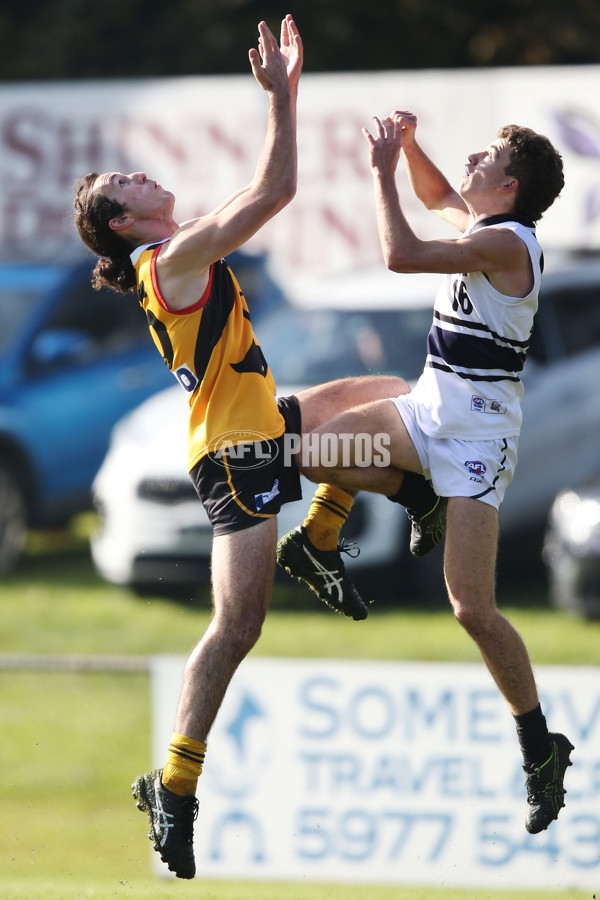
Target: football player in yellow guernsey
199, 320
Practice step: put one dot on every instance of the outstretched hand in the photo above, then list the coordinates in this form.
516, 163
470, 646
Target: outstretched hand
276, 68
408, 124
268, 65
385, 144
291, 50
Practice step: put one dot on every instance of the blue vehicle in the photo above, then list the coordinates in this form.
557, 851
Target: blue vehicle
72, 362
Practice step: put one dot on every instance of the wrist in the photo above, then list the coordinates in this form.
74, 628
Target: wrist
279, 93
384, 176
409, 147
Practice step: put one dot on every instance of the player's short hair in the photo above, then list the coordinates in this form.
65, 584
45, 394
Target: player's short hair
537, 165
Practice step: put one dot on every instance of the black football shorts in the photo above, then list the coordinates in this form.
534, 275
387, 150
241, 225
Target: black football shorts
242, 485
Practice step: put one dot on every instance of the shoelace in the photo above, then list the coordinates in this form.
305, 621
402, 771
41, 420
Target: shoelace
349, 547
189, 813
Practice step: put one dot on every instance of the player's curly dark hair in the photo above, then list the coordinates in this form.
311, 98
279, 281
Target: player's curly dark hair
93, 212
537, 165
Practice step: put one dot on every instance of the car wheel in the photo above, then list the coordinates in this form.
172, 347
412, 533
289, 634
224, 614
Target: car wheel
13, 518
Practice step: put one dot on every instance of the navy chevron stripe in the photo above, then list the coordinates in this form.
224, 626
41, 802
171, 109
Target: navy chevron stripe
470, 376
468, 351
453, 320
480, 326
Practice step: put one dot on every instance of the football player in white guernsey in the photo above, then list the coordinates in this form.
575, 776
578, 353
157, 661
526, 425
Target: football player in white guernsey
460, 424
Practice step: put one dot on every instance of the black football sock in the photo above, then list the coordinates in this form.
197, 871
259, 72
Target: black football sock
415, 493
534, 740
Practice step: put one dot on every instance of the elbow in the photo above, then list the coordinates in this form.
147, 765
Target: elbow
390, 262
406, 257
287, 190
396, 263
273, 196
284, 195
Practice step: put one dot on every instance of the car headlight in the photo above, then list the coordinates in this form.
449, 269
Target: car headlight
577, 519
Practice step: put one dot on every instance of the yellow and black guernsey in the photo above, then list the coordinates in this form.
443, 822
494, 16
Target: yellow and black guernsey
211, 349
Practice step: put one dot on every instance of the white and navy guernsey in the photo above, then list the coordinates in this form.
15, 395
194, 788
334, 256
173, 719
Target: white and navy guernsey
470, 388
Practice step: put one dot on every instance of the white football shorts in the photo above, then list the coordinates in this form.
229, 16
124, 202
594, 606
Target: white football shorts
458, 468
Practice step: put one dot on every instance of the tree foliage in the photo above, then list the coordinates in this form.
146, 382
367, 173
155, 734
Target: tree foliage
68, 39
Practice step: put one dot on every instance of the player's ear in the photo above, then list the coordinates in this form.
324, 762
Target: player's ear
509, 184
117, 223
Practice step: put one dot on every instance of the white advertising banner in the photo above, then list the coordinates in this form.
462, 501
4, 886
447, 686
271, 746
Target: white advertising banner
399, 773
201, 137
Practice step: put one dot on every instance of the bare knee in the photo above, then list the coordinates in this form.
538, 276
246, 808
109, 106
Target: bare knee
467, 617
239, 635
368, 388
400, 387
229, 637
474, 614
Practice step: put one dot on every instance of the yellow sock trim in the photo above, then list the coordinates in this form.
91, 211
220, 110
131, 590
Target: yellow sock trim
184, 765
328, 511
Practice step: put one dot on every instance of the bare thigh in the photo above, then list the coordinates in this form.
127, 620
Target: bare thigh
382, 422
243, 566
470, 554
320, 403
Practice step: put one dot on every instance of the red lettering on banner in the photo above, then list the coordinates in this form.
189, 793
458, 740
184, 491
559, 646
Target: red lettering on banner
20, 134
311, 240
223, 140
44, 149
346, 155
350, 236
163, 139
79, 150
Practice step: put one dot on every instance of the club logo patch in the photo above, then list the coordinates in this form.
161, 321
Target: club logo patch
483, 405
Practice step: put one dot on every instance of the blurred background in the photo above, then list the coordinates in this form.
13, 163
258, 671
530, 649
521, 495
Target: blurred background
99, 528
121, 39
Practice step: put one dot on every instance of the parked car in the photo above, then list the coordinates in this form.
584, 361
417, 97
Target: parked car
374, 321
73, 362
572, 551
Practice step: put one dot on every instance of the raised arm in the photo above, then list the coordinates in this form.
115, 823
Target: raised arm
183, 264
497, 252
290, 45
430, 186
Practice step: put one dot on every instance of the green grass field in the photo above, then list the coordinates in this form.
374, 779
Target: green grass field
72, 741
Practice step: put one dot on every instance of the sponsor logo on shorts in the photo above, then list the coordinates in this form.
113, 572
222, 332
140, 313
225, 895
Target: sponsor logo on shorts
476, 469
494, 407
243, 450
261, 500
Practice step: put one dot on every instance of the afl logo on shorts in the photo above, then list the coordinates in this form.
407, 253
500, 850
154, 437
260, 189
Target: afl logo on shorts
476, 467
243, 450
